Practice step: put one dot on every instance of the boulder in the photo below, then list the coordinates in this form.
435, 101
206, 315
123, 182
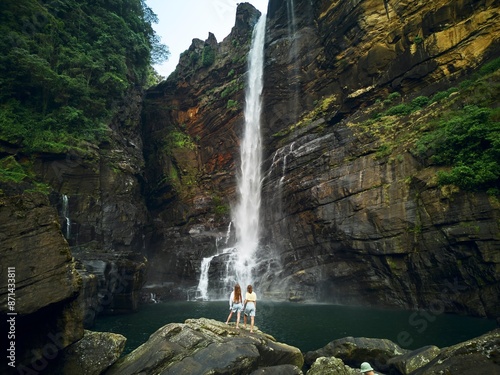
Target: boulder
201, 346
409, 362
330, 366
355, 350
480, 355
91, 355
278, 370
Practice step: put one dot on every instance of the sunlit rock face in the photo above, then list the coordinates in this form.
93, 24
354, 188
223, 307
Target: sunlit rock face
343, 221
352, 226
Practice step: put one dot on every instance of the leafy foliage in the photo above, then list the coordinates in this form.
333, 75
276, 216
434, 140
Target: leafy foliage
66, 65
460, 131
207, 56
469, 141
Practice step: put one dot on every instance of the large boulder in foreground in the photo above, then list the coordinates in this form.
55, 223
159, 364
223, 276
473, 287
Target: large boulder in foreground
205, 346
331, 366
91, 355
480, 355
355, 350
409, 362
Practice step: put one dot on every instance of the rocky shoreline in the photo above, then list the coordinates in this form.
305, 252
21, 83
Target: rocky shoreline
206, 346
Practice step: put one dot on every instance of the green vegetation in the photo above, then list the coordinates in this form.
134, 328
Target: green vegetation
221, 208
207, 56
232, 104
178, 139
469, 141
232, 87
66, 65
321, 109
460, 132
11, 170
418, 39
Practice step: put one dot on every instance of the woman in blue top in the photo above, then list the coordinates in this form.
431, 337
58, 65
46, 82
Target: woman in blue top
235, 304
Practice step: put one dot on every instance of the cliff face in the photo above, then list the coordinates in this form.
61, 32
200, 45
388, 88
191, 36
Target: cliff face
354, 224
351, 213
40, 284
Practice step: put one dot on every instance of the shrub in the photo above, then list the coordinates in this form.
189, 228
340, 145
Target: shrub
394, 95
469, 142
420, 101
398, 110
207, 56
232, 104
490, 67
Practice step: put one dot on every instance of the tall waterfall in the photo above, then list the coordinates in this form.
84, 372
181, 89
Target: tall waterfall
239, 261
246, 216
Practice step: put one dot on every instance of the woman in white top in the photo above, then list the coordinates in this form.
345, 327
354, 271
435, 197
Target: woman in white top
250, 307
235, 305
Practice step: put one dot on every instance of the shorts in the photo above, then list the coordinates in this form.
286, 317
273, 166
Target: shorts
250, 309
237, 307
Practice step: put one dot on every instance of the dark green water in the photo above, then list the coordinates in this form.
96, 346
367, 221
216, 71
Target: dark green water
307, 326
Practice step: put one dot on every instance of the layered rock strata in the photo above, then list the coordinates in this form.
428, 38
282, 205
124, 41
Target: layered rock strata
344, 221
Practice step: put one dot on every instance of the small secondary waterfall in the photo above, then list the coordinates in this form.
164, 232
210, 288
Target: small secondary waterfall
65, 214
203, 283
239, 261
246, 216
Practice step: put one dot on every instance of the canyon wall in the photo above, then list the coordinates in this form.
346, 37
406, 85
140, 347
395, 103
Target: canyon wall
351, 213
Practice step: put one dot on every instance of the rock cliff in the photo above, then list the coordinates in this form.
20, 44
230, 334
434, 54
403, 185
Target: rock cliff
361, 217
353, 210
39, 283
352, 213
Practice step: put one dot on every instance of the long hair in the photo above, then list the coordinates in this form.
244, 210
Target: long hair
249, 289
237, 293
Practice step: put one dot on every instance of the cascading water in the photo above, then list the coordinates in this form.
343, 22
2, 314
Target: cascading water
203, 283
240, 260
246, 216
65, 214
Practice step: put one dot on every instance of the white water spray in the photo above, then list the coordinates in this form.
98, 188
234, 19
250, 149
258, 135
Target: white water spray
203, 283
246, 216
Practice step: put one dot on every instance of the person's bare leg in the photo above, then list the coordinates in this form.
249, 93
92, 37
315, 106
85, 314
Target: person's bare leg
252, 318
238, 319
244, 321
229, 317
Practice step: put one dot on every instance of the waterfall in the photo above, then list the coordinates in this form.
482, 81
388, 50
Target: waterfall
228, 233
239, 261
203, 283
65, 214
246, 216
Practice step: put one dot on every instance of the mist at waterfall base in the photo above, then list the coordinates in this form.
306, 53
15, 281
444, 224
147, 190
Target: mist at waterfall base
307, 326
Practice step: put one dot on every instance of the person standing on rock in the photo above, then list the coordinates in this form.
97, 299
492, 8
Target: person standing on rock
250, 307
366, 369
235, 305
